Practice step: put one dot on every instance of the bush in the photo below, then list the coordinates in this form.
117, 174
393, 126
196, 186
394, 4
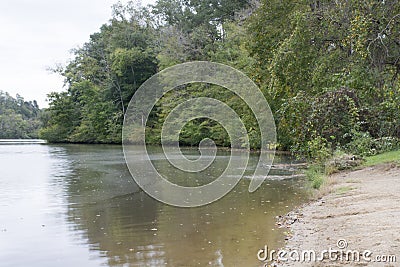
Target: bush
334, 115
315, 175
316, 125
317, 150
386, 144
363, 144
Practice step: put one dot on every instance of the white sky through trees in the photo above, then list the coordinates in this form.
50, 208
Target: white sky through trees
38, 34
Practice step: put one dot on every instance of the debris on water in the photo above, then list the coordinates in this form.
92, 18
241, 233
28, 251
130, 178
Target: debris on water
153, 229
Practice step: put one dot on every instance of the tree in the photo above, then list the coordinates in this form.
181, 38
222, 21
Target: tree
101, 79
19, 119
308, 50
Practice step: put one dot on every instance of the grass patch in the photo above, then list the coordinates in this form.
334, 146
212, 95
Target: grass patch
387, 157
343, 190
319, 174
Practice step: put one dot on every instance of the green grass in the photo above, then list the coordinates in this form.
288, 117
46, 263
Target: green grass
343, 190
316, 174
392, 156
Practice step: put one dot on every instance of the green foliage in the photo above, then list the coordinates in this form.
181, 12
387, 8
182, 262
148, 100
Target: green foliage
105, 73
334, 115
364, 144
329, 70
199, 129
318, 149
315, 175
361, 144
19, 119
101, 80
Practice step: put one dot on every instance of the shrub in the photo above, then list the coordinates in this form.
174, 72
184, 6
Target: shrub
363, 144
315, 175
334, 115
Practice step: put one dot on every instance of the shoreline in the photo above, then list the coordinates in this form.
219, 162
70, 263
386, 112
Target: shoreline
183, 147
361, 209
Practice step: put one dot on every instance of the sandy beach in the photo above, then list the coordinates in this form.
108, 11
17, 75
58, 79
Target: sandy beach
357, 223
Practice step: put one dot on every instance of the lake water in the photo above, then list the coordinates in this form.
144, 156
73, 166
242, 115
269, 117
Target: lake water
77, 205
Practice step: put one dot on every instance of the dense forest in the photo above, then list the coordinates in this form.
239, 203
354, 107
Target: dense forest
19, 119
329, 70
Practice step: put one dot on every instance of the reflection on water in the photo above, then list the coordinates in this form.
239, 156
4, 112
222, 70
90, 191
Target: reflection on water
77, 205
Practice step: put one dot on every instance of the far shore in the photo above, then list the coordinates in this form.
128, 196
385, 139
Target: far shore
22, 141
221, 148
358, 209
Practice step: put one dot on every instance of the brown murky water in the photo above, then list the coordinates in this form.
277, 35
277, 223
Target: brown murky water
76, 205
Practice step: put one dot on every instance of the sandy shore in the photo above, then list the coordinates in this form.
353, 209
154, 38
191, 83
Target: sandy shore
362, 210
